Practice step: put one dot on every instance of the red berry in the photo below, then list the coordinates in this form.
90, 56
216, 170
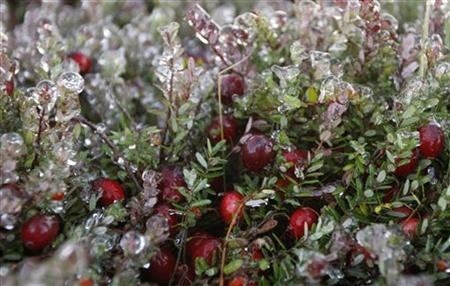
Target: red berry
256, 253
172, 179
257, 152
164, 209
230, 85
441, 265
241, 280
431, 140
162, 266
296, 158
83, 61
229, 129
58, 196
406, 169
229, 205
301, 217
217, 184
282, 183
111, 190
39, 231
390, 194
357, 250
409, 225
10, 87
203, 245
86, 281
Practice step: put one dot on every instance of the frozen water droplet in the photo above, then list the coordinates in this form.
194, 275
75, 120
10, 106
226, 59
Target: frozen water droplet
12, 144
8, 221
157, 228
46, 94
286, 74
71, 82
133, 243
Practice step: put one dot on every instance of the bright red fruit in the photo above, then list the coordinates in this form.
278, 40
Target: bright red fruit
230, 85
241, 280
257, 152
296, 158
162, 266
172, 179
83, 61
229, 129
39, 231
203, 245
111, 190
406, 169
298, 220
229, 205
431, 140
10, 87
409, 225
164, 209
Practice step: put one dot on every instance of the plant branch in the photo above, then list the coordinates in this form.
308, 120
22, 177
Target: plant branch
425, 28
38, 139
115, 151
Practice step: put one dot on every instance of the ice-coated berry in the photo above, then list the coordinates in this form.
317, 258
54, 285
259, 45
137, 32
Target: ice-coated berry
203, 245
165, 210
408, 168
172, 180
431, 140
296, 158
257, 152
298, 220
229, 129
162, 266
83, 61
409, 225
229, 206
111, 190
39, 231
230, 85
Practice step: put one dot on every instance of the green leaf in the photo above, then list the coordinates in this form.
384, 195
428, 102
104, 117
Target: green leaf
263, 264
201, 160
233, 266
381, 176
201, 203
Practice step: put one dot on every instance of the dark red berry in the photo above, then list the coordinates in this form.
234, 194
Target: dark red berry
298, 220
230, 85
408, 168
111, 190
241, 280
296, 159
409, 225
229, 129
10, 87
58, 196
203, 245
84, 281
431, 140
39, 231
172, 180
256, 253
162, 266
217, 184
164, 209
229, 206
360, 250
442, 266
83, 61
390, 194
257, 152
316, 268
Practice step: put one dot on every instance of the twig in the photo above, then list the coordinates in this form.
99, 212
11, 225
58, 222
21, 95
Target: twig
425, 28
169, 112
38, 139
115, 151
180, 252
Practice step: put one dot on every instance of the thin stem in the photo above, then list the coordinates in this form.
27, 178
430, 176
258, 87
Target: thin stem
425, 28
169, 111
38, 139
116, 153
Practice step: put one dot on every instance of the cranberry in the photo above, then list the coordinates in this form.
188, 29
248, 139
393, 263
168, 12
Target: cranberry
111, 190
86, 281
83, 61
257, 152
390, 194
229, 129
316, 268
296, 158
241, 280
229, 205
58, 196
164, 209
40, 231
217, 184
162, 266
409, 225
172, 179
301, 217
441, 265
256, 253
230, 85
431, 140
203, 245
10, 87
409, 167
357, 250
